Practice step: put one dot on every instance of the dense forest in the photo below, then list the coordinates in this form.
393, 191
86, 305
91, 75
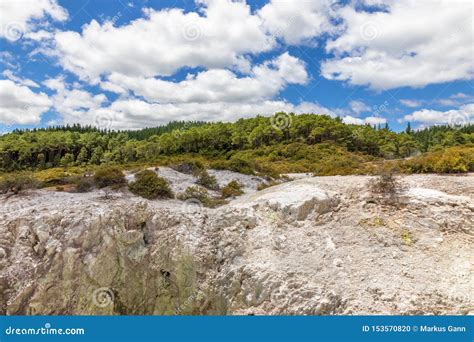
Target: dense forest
76, 145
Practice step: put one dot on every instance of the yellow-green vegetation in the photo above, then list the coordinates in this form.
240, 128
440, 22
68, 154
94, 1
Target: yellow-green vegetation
51, 177
148, 185
82, 183
310, 143
386, 184
450, 160
202, 195
15, 183
323, 159
233, 189
189, 166
269, 184
182, 294
206, 180
109, 176
407, 237
373, 222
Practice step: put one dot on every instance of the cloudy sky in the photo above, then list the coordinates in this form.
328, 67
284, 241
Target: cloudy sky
129, 64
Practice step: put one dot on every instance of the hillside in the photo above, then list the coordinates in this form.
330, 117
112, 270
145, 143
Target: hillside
282, 143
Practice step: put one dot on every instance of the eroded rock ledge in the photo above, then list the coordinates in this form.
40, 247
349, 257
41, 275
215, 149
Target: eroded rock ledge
311, 246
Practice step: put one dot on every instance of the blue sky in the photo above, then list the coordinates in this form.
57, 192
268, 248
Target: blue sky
131, 64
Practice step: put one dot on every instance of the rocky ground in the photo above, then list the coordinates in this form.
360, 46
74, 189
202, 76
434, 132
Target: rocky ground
314, 245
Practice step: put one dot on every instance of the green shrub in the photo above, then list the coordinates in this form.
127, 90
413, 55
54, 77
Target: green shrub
82, 184
148, 185
109, 176
263, 186
241, 166
16, 183
451, 160
206, 180
387, 186
233, 189
235, 164
196, 192
200, 194
51, 177
188, 167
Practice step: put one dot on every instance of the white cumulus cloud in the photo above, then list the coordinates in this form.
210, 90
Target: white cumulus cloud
17, 15
20, 105
162, 42
73, 103
371, 120
409, 43
458, 116
297, 21
216, 85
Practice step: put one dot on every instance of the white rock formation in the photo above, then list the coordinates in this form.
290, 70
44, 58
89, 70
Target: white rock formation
310, 246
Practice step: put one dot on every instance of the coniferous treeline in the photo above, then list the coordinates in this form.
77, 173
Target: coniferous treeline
140, 134
85, 145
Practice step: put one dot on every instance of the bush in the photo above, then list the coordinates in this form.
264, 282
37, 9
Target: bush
189, 167
241, 166
200, 194
148, 185
109, 176
232, 189
195, 192
207, 181
52, 177
451, 160
263, 186
386, 185
234, 164
82, 184
16, 183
